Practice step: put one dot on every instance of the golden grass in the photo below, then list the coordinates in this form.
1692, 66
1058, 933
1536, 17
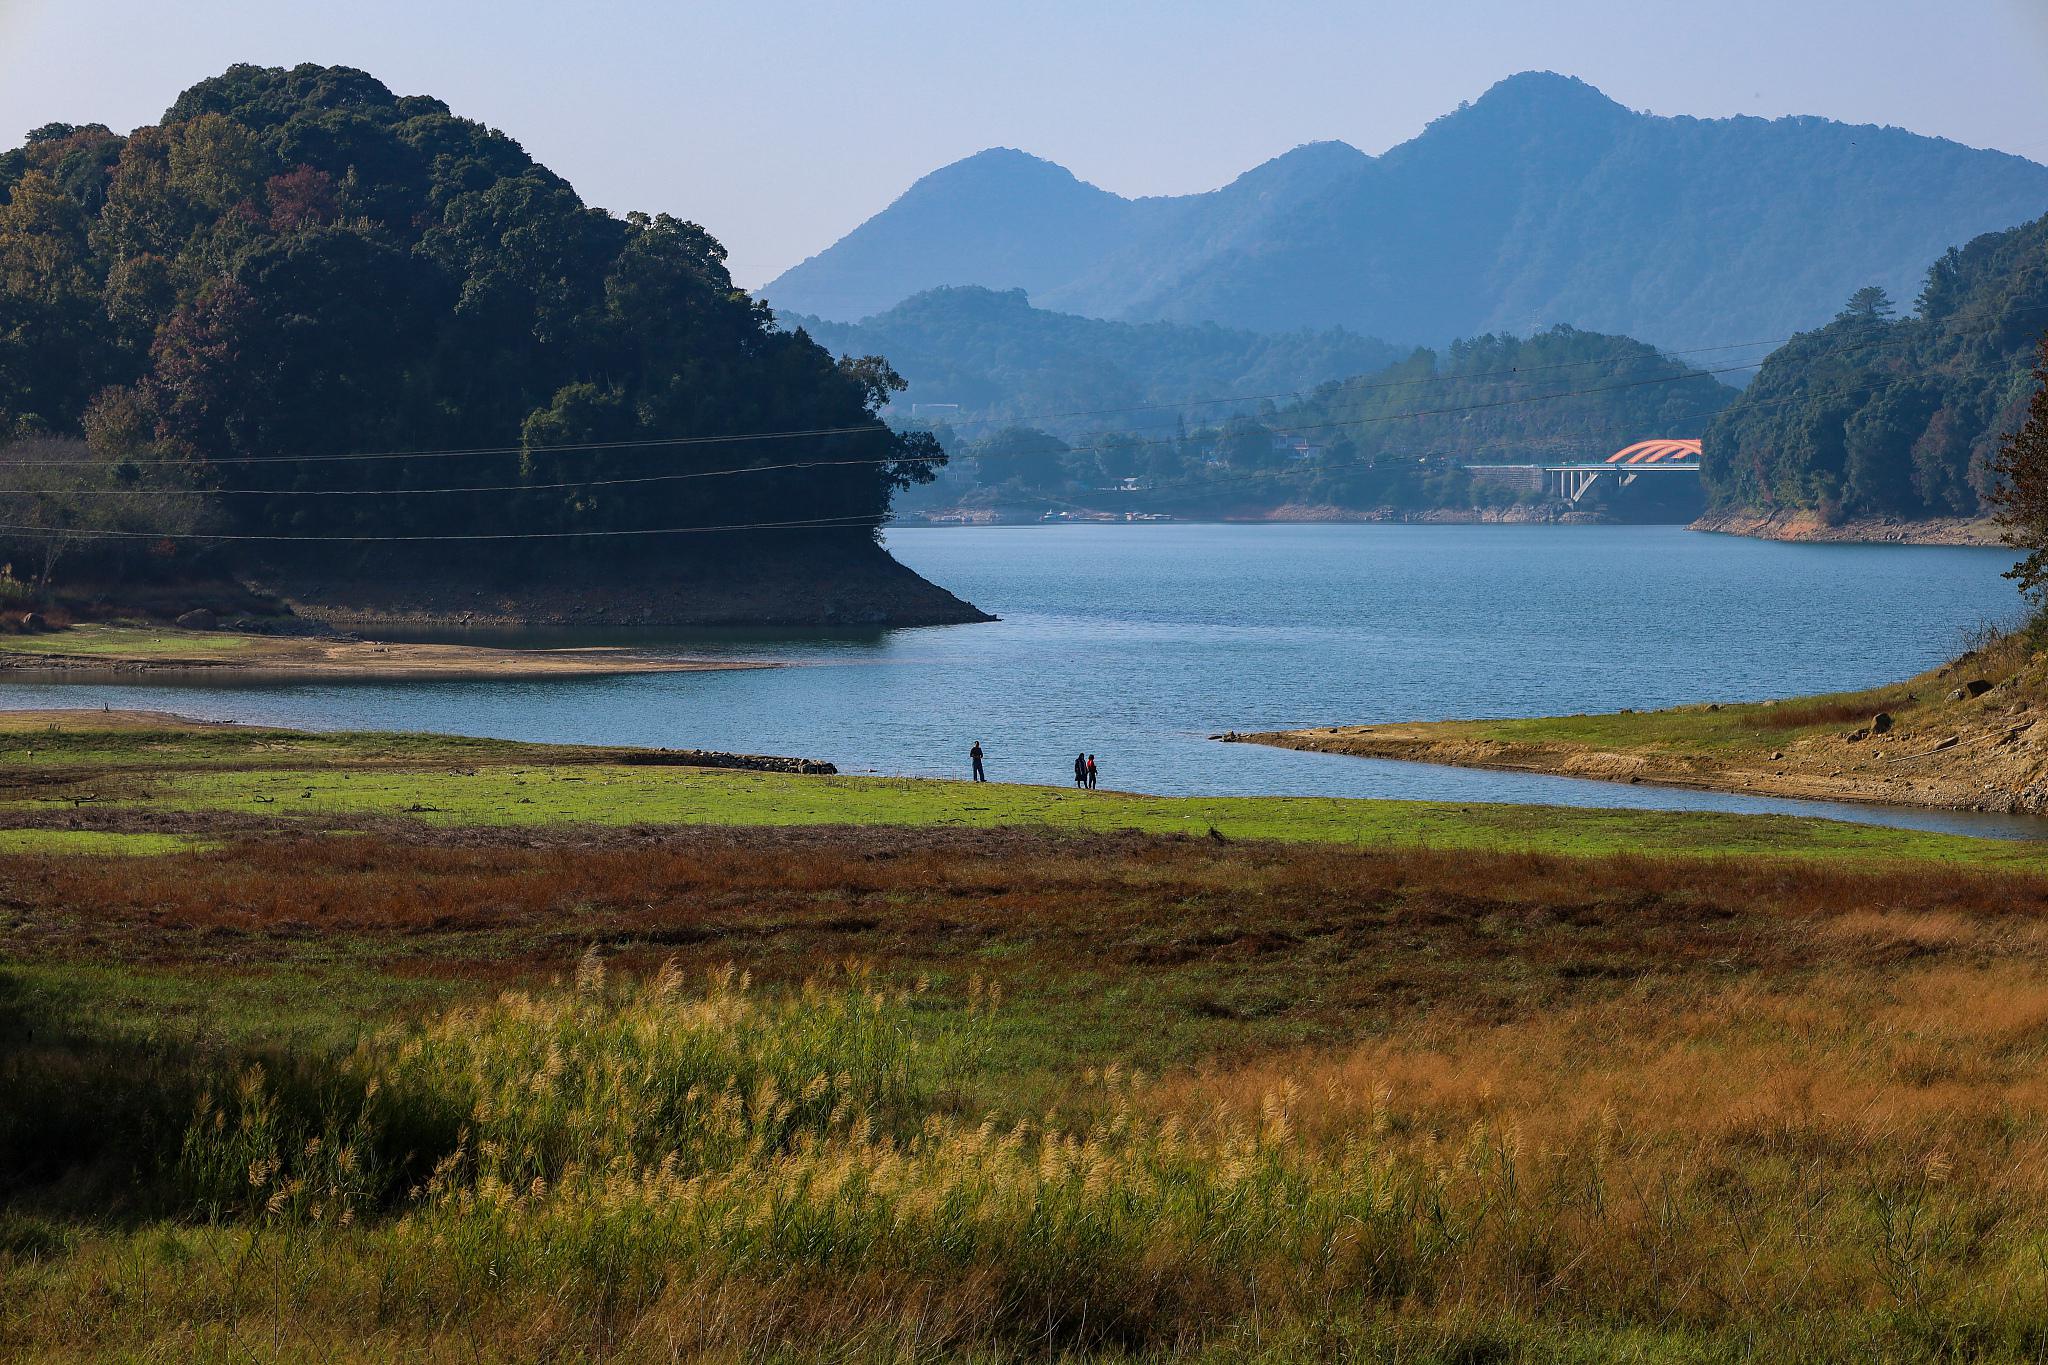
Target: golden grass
1853, 1164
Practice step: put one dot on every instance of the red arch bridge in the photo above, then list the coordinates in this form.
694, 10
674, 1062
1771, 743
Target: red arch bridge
1572, 480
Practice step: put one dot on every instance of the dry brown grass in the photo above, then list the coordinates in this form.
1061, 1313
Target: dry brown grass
1801, 715
1327, 931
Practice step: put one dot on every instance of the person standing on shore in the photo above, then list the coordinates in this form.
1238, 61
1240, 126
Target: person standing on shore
1091, 772
975, 754
1080, 770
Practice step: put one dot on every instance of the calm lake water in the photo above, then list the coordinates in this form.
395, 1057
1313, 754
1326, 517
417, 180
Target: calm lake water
1137, 642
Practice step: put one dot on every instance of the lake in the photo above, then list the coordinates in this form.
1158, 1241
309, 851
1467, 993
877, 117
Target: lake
1137, 642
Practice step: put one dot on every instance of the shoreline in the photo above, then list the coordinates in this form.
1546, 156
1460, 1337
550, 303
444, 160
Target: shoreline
753, 587
1784, 527
121, 651
1962, 737
1809, 528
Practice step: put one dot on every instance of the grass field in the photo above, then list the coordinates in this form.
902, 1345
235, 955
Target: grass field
135, 642
662, 1064
119, 771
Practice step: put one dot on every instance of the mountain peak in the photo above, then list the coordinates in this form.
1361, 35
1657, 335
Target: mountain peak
1544, 92
1004, 168
1541, 201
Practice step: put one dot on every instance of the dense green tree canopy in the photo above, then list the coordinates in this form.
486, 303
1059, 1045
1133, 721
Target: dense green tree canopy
1875, 416
300, 264
2020, 493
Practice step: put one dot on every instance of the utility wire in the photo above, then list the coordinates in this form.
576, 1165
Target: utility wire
872, 428
810, 523
1375, 419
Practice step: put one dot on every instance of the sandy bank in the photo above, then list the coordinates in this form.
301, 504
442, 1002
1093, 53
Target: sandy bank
86, 650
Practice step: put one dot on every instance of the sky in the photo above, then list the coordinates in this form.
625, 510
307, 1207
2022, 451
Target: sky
781, 125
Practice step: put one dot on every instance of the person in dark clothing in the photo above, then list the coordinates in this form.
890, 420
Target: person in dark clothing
975, 754
1080, 770
1091, 772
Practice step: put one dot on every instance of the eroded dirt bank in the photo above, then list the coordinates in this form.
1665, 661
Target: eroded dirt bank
1809, 526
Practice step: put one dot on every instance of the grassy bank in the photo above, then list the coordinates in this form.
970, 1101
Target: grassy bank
158, 649
587, 1059
119, 771
1960, 737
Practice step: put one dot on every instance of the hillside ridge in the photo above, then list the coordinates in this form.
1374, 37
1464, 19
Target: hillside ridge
1542, 201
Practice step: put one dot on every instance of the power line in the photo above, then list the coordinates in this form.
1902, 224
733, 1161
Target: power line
1376, 419
876, 428
474, 488
814, 523
752, 469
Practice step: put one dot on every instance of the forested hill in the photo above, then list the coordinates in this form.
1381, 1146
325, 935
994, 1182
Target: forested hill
979, 359
1395, 441
295, 265
1877, 415
1541, 202
1562, 394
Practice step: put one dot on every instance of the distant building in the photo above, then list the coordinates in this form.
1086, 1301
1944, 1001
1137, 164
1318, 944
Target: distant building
1295, 447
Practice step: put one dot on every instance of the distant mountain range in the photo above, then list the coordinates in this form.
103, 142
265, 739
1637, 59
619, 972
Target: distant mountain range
976, 357
1542, 202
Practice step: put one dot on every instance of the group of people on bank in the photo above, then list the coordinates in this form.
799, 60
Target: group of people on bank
1084, 768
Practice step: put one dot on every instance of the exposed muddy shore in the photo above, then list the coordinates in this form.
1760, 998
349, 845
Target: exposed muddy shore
1809, 526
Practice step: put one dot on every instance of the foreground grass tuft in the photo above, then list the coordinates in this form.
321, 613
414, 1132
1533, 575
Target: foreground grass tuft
642, 1170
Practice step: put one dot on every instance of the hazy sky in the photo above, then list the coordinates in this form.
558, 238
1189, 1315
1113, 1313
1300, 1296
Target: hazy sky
780, 125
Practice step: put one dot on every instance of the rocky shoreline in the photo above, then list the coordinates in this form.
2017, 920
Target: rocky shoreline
1811, 527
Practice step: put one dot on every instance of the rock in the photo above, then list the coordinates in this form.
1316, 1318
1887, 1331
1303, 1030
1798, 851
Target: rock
198, 619
1948, 743
1855, 735
1881, 723
1778, 757
1975, 687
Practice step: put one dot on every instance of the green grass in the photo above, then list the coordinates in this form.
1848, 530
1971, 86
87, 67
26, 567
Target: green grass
133, 642
613, 795
32, 741
1684, 728
96, 842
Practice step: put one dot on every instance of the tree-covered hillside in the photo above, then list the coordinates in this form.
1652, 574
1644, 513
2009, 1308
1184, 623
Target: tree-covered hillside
1561, 394
297, 265
1399, 438
1876, 415
1541, 202
1000, 362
